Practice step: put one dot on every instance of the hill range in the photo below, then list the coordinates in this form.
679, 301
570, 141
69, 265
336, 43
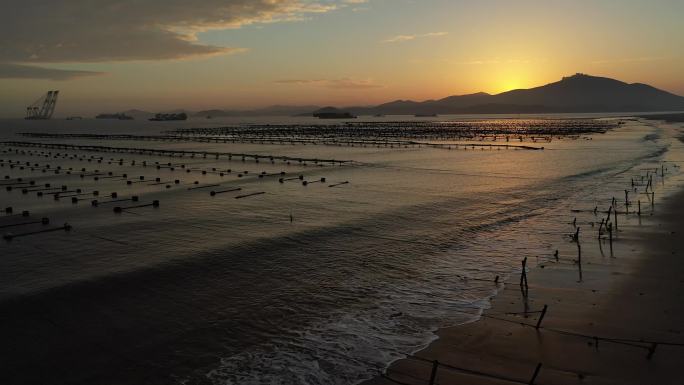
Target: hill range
576, 93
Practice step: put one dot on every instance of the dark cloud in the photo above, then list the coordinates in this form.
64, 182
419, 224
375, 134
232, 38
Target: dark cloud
19, 71
79, 31
49, 31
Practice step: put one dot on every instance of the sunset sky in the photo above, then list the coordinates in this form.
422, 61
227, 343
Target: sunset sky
112, 55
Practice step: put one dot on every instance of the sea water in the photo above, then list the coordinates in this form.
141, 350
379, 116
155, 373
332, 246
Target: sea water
299, 285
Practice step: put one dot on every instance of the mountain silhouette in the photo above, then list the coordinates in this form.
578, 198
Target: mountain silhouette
577, 93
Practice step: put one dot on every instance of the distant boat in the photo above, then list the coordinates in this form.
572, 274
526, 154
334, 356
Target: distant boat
74, 118
425, 115
119, 116
379, 115
168, 117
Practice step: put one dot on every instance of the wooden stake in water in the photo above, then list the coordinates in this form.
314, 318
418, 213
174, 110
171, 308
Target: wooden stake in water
433, 373
536, 373
610, 237
541, 317
627, 201
579, 260
523, 278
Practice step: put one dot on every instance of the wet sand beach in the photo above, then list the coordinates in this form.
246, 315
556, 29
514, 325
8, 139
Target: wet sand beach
623, 323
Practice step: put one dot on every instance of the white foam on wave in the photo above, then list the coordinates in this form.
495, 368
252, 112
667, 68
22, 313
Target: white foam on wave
347, 347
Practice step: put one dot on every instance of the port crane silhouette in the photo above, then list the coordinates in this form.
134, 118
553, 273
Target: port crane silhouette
44, 107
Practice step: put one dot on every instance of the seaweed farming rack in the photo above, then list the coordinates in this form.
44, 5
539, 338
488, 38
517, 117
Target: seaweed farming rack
283, 140
180, 153
482, 134
540, 129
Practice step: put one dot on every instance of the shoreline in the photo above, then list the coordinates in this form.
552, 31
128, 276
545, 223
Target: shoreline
625, 300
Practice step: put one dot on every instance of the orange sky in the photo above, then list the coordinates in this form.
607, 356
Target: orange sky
225, 54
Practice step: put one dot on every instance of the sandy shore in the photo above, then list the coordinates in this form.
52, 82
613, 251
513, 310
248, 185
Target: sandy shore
630, 297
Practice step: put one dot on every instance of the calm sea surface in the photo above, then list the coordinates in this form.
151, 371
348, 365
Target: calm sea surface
299, 285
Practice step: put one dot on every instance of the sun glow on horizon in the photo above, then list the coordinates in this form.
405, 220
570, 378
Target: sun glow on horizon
509, 85
511, 79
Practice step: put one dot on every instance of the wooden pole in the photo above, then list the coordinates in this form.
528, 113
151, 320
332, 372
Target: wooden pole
212, 193
250, 195
579, 260
9, 237
433, 373
541, 317
536, 373
627, 201
523, 277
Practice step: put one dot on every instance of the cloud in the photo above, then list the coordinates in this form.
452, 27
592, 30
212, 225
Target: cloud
403, 38
496, 61
19, 71
629, 60
400, 38
344, 83
479, 62
357, 5
48, 31
434, 34
88, 31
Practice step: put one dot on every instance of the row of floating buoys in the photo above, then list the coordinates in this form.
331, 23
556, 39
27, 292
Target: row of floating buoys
171, 166
23, 219
10, 236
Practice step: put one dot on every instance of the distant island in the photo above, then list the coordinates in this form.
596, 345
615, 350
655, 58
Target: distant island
277, 110
673, 118
118, 115
332, 113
